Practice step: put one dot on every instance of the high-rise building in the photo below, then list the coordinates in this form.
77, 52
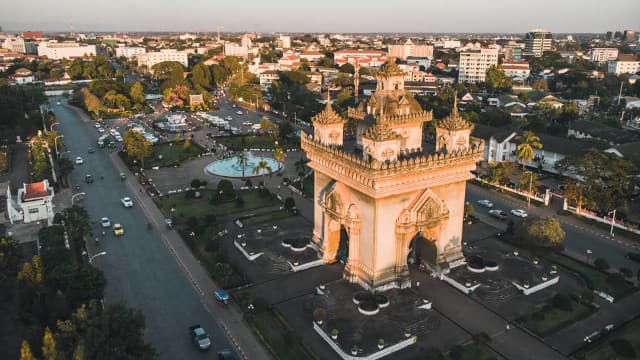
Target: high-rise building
15, 45
410, 49
537, 41
601, 55
130, 51
512, 52
629, 36
474, 64
246, 41
284, 42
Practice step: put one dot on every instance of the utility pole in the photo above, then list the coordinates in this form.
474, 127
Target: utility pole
530, 185
613, 221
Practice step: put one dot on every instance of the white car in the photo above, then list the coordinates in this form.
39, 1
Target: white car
105, 222
519, 213
79, 160
98, 125
485, 203
100, 130
239, 112
228, 118
126, 202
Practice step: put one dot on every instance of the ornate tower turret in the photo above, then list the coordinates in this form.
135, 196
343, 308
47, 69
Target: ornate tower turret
328, 126
452, 132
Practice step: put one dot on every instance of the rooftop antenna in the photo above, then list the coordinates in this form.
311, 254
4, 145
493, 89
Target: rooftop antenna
71, 30
219, 27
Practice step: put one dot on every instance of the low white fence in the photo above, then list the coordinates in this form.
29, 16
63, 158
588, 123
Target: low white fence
543, 200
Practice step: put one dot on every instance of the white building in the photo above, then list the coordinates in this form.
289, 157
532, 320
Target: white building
515, 69
33, 203
474, 64
602, 55
130, 51
537, 41
284, 42
246, 41
23, 76
233, 49
152, 58
625, 64
410, 49
15, 45
451, 44
65, 50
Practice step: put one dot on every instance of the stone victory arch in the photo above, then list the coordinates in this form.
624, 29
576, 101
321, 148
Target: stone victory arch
385, 198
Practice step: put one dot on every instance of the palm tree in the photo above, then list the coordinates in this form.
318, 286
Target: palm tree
242, 160
263, 166
279, 155
525, 150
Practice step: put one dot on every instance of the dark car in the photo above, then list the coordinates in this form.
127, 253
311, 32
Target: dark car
499, 214
91, 150
88, 179
225, 355
633, 256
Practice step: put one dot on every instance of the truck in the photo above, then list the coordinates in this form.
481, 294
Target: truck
200, 337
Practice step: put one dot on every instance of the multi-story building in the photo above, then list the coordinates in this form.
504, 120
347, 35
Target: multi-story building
537, 41
245, 41
451, 44
284, 42
15, 45
312, 56
233, 49
368, 58
64, 50
268, 77
474, 64
625, 64
410, 49
151, 58
602, 55
35, 35
130, 51
515, 69
512, 52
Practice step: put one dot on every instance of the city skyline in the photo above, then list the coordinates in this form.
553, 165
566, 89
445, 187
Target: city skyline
465, 16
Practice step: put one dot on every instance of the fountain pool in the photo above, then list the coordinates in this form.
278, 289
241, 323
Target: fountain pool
229, 167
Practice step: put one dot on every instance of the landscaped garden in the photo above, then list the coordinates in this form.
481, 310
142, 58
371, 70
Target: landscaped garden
172, 153
274, 331
612, 284
562, 311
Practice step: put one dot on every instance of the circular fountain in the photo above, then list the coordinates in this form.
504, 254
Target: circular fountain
229, 167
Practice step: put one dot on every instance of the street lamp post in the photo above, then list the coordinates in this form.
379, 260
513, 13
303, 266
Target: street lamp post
96, 255
530, 186
74, 195
613, 220
55, 143
631, 80
589, 252
52, 125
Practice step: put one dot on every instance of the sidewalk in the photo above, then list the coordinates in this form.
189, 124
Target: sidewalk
230, 319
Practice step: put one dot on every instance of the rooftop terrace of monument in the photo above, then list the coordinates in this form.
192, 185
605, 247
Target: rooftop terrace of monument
374, 176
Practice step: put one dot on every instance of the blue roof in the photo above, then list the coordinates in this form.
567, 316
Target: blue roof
221, 294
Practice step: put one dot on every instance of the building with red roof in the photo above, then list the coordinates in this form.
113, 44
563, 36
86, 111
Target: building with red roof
33, 203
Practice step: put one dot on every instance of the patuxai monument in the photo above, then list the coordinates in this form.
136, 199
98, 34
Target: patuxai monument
389, 198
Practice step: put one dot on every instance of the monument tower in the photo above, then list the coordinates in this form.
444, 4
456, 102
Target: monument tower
387, 199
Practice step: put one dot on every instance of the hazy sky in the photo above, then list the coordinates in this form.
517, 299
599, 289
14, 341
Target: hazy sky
322, 16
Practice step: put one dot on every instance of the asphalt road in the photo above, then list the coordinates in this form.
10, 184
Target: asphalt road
138, 266
580, 235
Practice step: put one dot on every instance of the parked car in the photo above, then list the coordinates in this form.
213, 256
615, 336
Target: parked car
126, 202
88, 179
200, 337
79, 160
485, 203
91, 150
100, 130
239, 112
105, 222
633, 256
497, 213
118, 230
225, 355
123, 176
519, 213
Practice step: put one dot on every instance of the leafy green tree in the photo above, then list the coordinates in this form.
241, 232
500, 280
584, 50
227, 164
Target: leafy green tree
289, 203
496, 79
136, 93
49, 351
201, 76
25, 351
10, 257
65, 167
528, 141
91, 102
540, 84
225, 189
347, 69
294, 78
597, 179
137, 146
76, 220
527, 180
541, 232
170, 72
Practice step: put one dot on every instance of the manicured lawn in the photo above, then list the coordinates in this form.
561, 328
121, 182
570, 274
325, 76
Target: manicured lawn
595, 279
472, 352
278, 337
551, 319
171, 154
250, 142
270, 217
186, 207
603, 349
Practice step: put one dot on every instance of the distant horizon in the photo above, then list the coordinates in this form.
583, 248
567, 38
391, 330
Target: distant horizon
328, 16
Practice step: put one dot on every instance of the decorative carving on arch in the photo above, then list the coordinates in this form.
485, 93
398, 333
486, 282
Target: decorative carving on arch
428, 211
334, 201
